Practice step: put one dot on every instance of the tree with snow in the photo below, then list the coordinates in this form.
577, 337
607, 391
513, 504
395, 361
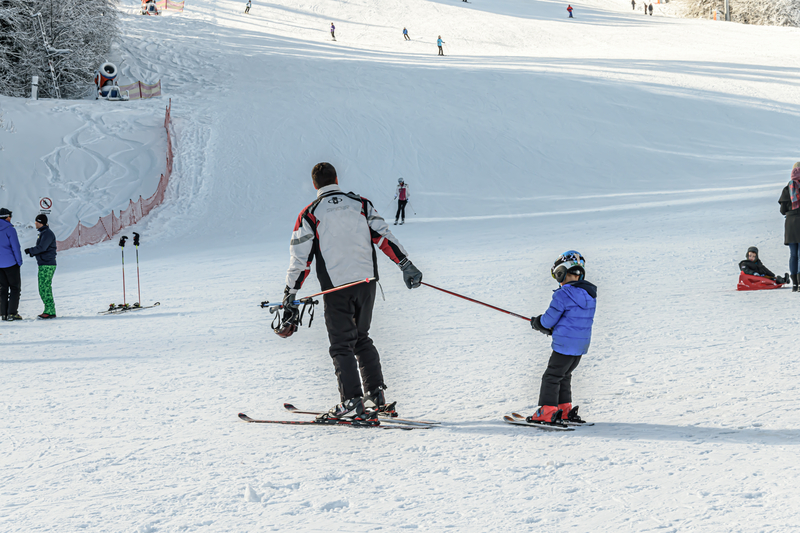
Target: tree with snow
78, 35
760, 12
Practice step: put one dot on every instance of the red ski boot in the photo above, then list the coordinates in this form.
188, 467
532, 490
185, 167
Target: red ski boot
548, 414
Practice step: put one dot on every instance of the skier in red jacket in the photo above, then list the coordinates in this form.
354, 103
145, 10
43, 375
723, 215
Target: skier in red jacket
569, 8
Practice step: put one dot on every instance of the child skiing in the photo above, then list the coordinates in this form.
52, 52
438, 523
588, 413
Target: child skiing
752, 266
247, 9
569, 320
401, 195
333, 29
569, 8
439, 43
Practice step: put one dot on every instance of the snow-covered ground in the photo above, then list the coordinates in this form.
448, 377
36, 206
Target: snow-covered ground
656, 146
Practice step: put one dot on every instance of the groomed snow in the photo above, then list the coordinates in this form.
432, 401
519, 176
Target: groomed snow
656, 146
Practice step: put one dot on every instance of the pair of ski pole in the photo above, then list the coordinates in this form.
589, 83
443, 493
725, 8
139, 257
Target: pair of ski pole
138, 282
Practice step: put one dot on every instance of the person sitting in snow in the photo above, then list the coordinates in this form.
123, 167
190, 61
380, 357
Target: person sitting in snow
569, 321
752, 266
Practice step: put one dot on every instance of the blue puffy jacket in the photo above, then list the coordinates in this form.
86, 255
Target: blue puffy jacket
570, 316
10, 253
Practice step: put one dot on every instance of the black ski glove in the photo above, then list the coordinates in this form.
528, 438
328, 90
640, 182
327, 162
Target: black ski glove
411, 275
536, 323
28, 251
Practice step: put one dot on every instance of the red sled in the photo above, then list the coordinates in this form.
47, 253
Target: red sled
756, 283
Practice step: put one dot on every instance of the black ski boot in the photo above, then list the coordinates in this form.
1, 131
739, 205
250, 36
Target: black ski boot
376, 401
352, 409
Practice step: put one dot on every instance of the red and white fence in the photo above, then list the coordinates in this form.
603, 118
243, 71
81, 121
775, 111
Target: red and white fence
169, 5
111, 224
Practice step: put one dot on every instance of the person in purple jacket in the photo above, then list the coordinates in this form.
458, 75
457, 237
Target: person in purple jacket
10, 261
569, 320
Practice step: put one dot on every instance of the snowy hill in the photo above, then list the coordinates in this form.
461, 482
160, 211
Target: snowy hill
655, 146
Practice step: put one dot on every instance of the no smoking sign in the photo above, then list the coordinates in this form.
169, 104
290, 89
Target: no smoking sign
46, 205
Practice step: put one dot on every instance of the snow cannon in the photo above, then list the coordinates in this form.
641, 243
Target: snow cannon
756, 283
105, 78
149, 7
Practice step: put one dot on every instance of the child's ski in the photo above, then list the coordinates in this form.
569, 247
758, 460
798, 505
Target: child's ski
114, 309
538, 425
567, 422
395, 420
339, 422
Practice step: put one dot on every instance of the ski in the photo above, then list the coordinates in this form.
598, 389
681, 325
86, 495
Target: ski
567, 422
394, 420
339, 422
544, 426
114, 309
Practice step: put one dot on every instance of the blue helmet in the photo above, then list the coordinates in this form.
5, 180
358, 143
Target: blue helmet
571, 262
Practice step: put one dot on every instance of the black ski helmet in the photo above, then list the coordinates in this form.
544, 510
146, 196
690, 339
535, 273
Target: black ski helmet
571, 262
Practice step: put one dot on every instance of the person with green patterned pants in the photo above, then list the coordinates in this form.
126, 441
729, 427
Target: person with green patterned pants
45, 253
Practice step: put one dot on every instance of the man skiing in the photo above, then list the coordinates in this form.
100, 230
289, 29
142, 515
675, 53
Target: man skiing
45, 254
569, 8
569, 320
401, 195
340, 230
333, 30
247, 9
439, 43
10, 261
405, 35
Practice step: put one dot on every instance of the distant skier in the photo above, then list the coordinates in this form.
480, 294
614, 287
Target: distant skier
439, 43
405, 35
45, 254
341, 230
10, 261
790, 206
633, 3
247, 9
651, 9
401, 195
752, 266
333, 30
569, 8
569, 320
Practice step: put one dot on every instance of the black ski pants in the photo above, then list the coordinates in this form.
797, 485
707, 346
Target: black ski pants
557, 379
10, 289
401, 210
406, 37
348, 314
441, 52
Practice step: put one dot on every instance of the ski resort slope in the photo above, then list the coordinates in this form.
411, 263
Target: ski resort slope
656, 146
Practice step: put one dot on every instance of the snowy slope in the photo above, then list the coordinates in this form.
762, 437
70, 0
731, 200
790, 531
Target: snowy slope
657, 147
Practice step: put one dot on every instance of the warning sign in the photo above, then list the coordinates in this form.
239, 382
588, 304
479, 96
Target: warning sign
45, 205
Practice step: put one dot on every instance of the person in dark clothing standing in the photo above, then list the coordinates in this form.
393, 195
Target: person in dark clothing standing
10, 261
345, 253
790, 206
752, 266
633, 3
45, 254
569, 321
650, 8
401, 195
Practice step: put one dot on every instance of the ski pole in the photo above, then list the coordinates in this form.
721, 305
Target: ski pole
412, 207
302, 300
122, 246
138, 283
475, 301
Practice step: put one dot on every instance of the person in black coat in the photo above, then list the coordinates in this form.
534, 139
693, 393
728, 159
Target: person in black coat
45, 254
752, 266
790, 206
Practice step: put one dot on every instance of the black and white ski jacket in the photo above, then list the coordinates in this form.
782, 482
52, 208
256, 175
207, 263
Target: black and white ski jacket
341, 231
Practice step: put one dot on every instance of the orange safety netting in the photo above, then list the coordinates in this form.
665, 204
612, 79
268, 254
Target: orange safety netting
111, 224
169, 5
